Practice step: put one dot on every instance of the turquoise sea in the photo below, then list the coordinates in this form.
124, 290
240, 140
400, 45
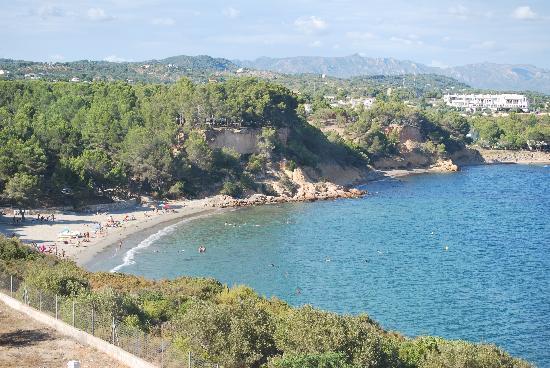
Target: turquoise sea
462, 256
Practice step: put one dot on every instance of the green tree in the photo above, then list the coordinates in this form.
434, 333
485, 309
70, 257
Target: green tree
22, 190
198, 151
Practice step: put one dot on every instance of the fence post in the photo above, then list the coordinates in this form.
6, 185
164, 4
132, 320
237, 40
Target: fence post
189, 360
73, 312
113, 331
161, 347
40, 301
144, 347
56, 308
93, 321
11, 286
25, 296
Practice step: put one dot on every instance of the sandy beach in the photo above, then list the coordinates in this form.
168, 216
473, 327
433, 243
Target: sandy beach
46, 233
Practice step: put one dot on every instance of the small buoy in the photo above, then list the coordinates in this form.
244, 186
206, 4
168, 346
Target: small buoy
432, 233
446, 247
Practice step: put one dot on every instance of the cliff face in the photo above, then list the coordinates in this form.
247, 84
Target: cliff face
244, 141
411, 151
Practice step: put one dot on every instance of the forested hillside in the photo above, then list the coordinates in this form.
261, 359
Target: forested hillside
441, 131
73, 142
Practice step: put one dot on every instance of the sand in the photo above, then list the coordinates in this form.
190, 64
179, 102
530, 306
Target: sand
46, 233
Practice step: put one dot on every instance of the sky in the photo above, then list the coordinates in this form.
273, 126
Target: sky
434, 32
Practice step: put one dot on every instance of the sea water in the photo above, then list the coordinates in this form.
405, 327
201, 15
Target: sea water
462, 256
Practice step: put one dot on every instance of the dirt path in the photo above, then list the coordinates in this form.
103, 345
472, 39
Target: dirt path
27, 343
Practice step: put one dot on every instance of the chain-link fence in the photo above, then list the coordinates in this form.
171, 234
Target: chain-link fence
98, 321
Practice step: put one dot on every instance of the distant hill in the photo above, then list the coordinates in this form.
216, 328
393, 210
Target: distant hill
501, 76
200, 68
485, 75
342, 67
200, 62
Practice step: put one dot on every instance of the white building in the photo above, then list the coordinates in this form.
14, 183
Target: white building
488, 102
354, 103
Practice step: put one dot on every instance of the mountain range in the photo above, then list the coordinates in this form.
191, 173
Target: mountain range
483, 75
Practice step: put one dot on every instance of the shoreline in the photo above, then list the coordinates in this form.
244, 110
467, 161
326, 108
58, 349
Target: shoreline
146, 218
86, 256
476, 157
83, 252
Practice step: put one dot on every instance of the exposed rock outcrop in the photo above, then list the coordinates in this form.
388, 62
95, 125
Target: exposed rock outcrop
305, 189
444, 166
244, 141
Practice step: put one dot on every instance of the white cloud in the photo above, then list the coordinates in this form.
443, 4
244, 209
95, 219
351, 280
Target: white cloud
50, 11
485, 45
114, 59
360, 36
316, 43
311, 24
409, 40
524, 13
460, 12
163, 22
231, 12
98, 14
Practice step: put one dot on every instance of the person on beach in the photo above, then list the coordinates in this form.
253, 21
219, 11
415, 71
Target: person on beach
120, 244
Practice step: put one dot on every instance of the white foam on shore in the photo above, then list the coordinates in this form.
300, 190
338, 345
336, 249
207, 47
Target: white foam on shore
129, 257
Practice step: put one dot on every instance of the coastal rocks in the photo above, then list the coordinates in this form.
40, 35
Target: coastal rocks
515, 157
480, 156
445, 166
309, 193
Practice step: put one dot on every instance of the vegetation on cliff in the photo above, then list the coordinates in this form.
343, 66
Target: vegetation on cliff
72, 142
440, 131
238, 328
